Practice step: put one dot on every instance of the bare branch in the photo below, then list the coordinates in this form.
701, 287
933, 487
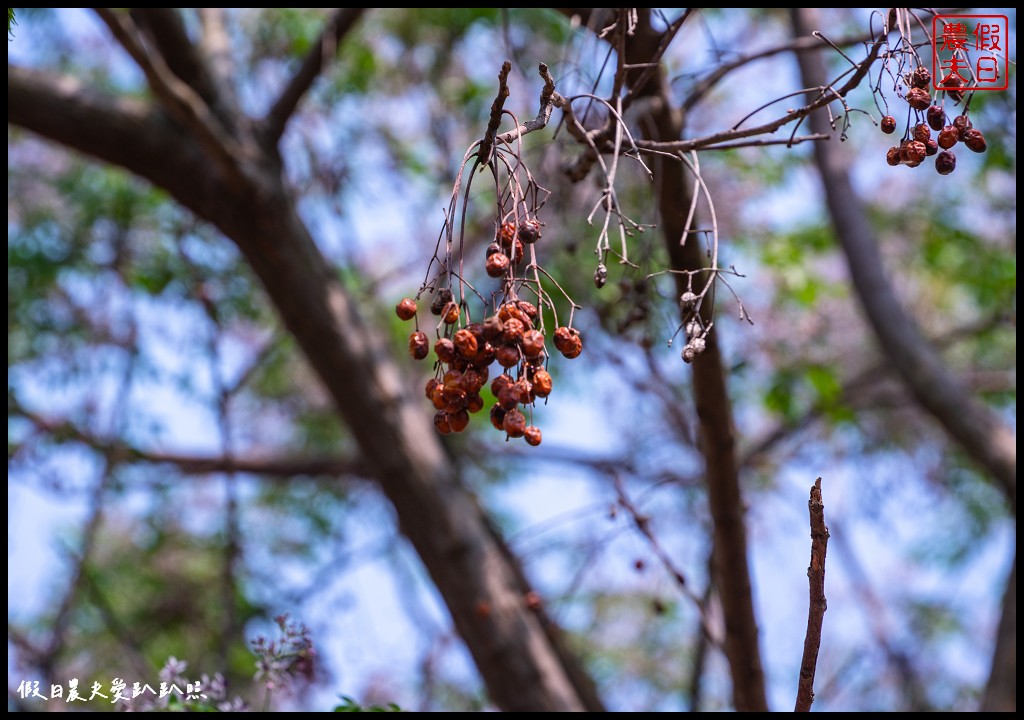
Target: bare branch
497, 111
178, 98
325, 47
165, 28
818, 604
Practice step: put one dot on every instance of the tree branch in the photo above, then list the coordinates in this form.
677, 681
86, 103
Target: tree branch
731, 572
179, 99
818, 605
989, 441
1001, 688
165, 28
325, 47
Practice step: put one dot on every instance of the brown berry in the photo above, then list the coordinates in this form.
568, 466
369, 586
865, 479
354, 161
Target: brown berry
499, 383
916, 152
962, 123
485, 356
517, 252
945, 162
532, 435
445, 350
506, 235
466, 344
922, 133
497, 264
921, 77
975, 140
529, 233
514, 330
528, 308
498, 417
441, 422
419, 345
542, 383
948, 137
475, 379
474, 403
432, 383
451, 313
441, 299
936, 117
406, 309
888, 124
893, 156
514, 424
931, 148
492, 327
951, 84
533, 343
568, 342
919, 99
508, 398
524, 389
507, 356
458, 421
493, 248
437, 397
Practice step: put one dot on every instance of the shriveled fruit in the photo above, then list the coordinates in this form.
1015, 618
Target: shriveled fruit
948, 137
945, 162
441, 299
922, 133
507, 356
529, 233
919, 99
419, 345
451, 313
975, 140
514, 424
892, 156
936, 117
514, 330
962, 123
532, 435
506, 234
441, 422
499, 383
498, 417
931, 147
888, 124
921, 77
466, 344
497, 264
406, 309
458, 421
445, 350
532, 343
542, 383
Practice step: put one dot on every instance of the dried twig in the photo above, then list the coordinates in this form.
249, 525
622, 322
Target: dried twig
818, 604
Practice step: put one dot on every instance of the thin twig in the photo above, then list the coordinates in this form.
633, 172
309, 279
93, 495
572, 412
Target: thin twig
325, 47
818, 604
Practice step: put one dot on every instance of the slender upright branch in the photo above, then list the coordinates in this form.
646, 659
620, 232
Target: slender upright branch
818, 605
497, 110
325, 47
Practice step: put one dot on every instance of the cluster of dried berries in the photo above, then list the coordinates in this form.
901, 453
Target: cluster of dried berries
917, 143
512, 336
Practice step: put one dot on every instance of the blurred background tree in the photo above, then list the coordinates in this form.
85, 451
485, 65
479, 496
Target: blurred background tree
212, 418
